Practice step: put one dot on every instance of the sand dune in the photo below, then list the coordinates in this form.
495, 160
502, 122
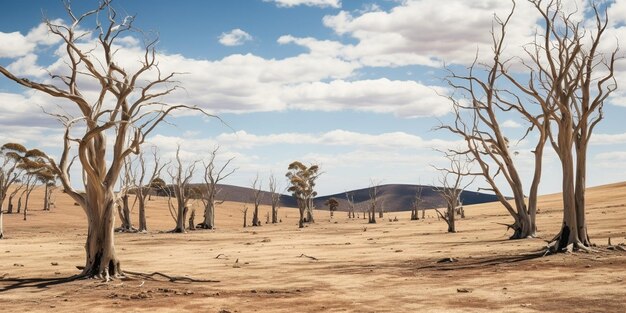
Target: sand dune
357, 267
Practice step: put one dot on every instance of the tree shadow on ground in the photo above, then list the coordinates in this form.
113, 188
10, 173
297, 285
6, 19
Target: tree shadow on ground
474, 263
7, 284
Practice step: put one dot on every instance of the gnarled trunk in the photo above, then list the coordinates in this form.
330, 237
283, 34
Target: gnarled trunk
274, 214
451, 220
579, 193
10, 207
209, 216
255, 217
101, 260
143, 226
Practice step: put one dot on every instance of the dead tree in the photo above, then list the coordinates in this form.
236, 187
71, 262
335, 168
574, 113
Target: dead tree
450, 187
351, 205
180, 177
127, 105
415, 205
373, 191
302, 181
275, 198
481, 100
257, 197
213, 174
143, 182
245, 215
570, 77
123, 205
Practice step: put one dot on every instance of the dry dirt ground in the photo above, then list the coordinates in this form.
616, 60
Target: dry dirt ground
336, 265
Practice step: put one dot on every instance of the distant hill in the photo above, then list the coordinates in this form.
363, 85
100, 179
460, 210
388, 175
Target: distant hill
399, 197
394, 197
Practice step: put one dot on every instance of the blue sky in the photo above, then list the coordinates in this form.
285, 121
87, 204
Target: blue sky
351, 85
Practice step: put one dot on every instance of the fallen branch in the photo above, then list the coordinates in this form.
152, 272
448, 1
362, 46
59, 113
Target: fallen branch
308, 256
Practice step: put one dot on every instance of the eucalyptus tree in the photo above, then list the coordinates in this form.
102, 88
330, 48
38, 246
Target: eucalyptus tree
302, 180
128, 106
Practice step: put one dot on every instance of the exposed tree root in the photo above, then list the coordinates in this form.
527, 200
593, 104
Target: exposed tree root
151, 276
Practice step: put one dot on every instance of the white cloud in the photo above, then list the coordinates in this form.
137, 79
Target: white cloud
15, 45
401, 98
608, 139
338, 137
612, 156
428, 33
235, 37
311, 3
511, 124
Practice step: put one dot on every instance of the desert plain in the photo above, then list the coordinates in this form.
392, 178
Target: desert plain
333, 265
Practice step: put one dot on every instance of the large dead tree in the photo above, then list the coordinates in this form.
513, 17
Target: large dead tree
213, 174
451, 186
127, 107
302, 181
275, 198
570, 79
482, 101
180, 179
257, 197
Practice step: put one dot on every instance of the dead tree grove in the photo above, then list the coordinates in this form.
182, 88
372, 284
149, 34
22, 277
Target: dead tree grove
181, 178
213, 174
126, 107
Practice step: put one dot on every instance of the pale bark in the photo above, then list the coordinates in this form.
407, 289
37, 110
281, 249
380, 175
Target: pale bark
275, 198
257, 197
126, 106
213, 174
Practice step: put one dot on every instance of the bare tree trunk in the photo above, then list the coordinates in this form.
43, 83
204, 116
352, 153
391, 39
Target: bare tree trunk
423, 213
301, 220
1, 223
19, 205
581, 173
255, 216
274, 214
143, 226
209, 215
245, 219
451, 219
10, 208
126, 222
192, 217
101, 260
46, 198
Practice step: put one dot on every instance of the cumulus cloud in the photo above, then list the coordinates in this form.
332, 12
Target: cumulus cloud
311, 3
338, 137
235, 37
608, 139
401, 98
427, 33
17, 45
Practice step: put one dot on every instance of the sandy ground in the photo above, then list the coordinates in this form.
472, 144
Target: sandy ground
334, 265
